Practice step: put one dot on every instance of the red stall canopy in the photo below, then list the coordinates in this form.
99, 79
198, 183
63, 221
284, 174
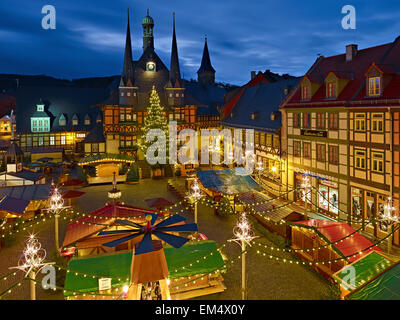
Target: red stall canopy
334, 231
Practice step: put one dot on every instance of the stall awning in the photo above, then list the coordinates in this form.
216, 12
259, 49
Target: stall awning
118, 265
334, 231
227, 181
384, 287
365, 269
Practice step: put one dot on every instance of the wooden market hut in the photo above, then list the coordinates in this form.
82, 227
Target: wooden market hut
105, 165
267, 215
335, 241
118, 267
364, 270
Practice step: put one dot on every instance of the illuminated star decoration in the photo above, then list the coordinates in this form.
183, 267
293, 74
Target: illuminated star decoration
56, 202
195, 194
242, 231
32, 257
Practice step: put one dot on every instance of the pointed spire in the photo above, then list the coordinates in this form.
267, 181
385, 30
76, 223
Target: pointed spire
127, 73
206, 61
174, 73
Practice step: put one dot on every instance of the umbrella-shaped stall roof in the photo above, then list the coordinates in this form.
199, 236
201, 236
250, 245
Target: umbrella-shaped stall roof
158, 203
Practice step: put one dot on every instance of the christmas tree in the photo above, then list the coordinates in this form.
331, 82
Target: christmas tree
155, 119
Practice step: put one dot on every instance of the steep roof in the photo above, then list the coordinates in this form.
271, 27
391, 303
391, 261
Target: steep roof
385, 56
128, 73
13, 205
205, 60
260, 101
96, 134
174, 72
14, 150
207, 97
60, 101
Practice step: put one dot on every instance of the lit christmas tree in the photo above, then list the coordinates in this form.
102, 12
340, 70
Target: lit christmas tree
155, 119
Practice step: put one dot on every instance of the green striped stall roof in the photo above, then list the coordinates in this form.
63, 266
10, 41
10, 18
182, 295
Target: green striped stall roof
365, 269
384, 287
117, 266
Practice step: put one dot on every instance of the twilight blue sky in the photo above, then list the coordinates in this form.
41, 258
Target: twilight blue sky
282, 35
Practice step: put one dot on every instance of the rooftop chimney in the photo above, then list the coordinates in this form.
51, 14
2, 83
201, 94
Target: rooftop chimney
253, 74
351, 52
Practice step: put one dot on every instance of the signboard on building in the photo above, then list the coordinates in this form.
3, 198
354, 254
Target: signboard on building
313, 133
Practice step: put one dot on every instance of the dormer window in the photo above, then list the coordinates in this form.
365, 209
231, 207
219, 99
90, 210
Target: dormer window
305, 92
98, 118
87, 120
374, 86
254, 115
150, 66
331, 89
62, 121
75, 120
40, 107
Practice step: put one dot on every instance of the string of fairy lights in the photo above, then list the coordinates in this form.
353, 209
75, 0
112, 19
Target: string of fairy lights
24, 225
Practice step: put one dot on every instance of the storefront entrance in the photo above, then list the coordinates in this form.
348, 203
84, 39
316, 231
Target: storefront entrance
328, 197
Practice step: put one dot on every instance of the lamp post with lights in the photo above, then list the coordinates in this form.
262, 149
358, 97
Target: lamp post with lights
306, 186
195, 194
390, 219
243, 235
31, 262
56, 204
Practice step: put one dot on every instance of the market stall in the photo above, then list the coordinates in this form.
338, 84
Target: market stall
334, 243
361, 271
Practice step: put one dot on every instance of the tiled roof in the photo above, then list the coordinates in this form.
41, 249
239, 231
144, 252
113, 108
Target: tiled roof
58, 101
387, 59
27, 175
262, 100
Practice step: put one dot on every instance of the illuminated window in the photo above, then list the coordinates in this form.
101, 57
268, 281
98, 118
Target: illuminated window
359, 122
296, 120
320, 120
134, 117
377, 162
62, 121
305, 92
306, 150
87, 120
331, 90
256, 138
333, 121
333, 154
62, 140
128, 94
52, 140
374, 86
307, 120
75, 120
122, 117
377, 122
297, 148
321, 152
359, 159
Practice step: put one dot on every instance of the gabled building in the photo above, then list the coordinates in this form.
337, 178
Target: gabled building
124, 113
58, 116
256, 106
342, 129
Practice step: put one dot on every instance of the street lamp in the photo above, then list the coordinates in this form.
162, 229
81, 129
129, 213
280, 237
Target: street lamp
56, 204
387, 216
114, 194
243, 235
195, 195
31, 262
306, 185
